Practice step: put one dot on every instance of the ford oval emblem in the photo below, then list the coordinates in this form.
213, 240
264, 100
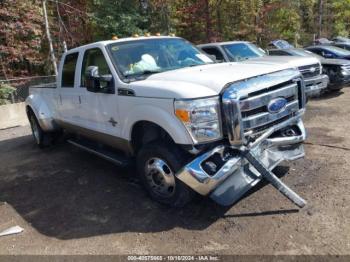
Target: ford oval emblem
277, 105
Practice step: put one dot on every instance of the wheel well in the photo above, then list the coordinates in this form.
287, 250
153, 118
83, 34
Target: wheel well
29, 111
144, 132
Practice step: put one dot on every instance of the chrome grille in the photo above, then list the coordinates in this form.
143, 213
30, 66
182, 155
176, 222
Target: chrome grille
254, 109
346, 67
245, 104
310, 70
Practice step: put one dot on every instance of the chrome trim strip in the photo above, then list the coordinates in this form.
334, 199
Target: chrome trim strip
106, 139
233, 119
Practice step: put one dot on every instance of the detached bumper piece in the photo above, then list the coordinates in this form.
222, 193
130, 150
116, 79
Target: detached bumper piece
314, 86
226, 173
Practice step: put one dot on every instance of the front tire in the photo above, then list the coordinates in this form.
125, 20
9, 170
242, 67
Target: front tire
157, 166
42, 139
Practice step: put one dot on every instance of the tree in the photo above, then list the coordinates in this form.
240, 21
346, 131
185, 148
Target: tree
23, 47
121, 18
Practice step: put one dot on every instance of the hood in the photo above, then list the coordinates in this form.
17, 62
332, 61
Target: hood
199, 81
292, 61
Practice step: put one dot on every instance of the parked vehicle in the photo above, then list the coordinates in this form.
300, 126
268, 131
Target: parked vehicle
338, 70
331, 52
323, 41
343, 45
280, 44
241, 51
341, 39
191, 125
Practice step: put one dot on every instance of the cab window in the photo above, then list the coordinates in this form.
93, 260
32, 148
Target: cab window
215, 52
68, 72
278, 53
94, 57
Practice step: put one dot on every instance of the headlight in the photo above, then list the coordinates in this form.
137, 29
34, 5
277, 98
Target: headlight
201, 118
345, 71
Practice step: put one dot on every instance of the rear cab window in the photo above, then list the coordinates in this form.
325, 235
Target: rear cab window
68, 71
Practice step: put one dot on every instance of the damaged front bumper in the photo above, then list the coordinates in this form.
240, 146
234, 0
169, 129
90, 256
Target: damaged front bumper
225, 174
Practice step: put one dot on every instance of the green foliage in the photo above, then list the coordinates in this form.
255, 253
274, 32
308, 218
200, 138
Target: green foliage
5, 93
21, 37
341, 9
122, 18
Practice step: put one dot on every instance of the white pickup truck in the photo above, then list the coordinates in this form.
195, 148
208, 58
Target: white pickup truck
190, 125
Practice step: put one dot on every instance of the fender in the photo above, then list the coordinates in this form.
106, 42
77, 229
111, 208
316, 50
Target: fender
42, 112
160, 117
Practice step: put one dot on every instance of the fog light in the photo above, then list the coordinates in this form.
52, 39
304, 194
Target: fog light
289, 132
211, 166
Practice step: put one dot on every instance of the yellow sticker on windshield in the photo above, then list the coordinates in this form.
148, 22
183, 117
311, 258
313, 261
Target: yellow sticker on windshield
115, 48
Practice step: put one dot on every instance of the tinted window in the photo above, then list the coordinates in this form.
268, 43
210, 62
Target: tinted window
215, 52
94, 57
316, 51
68, 72
278, 53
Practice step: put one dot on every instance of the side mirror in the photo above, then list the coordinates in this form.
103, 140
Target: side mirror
97, 83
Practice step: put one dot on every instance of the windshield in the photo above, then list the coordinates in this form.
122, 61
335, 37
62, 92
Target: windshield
243, 51
145, 57
337, 50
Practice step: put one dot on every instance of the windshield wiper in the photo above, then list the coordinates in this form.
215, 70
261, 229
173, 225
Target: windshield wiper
143, 73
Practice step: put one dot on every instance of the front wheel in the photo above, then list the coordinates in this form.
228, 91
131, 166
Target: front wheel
157, 166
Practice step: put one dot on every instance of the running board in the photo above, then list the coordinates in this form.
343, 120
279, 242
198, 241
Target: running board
112, 156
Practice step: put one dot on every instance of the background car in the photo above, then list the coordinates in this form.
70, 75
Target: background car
341, 39
343, 45
243, 51
323, 41
331, 52
338, 70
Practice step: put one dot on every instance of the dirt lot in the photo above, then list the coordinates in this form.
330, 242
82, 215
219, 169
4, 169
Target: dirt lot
70, 202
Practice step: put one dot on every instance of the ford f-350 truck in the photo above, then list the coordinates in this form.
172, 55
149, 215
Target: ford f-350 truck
189, 124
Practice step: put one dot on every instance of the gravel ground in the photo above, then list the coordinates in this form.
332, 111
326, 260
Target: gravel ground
70, 202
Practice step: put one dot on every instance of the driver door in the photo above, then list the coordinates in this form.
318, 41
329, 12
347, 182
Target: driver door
99, 110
